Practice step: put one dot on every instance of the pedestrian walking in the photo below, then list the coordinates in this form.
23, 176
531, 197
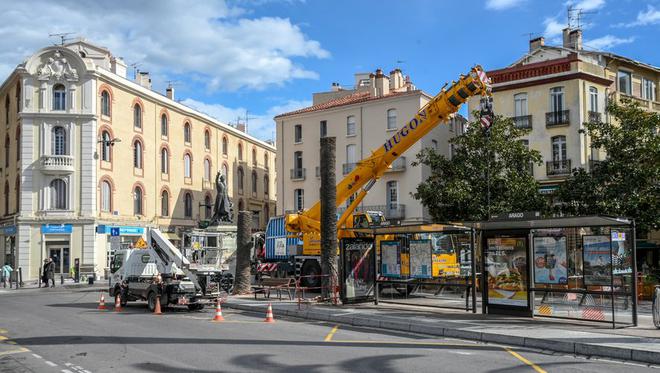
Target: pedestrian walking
50, 272
6, 274
44, 279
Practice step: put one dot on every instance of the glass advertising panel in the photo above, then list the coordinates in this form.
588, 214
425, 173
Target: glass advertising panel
550, 265
358, 269
421, 258
506, 264
597, 260
390, 258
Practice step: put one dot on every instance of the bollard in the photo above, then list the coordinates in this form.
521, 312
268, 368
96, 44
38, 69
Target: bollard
61, 279
20, 277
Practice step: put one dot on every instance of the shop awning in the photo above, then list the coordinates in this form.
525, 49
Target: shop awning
647, 245
548, 189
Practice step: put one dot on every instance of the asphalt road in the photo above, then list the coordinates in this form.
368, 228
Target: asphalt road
52, 330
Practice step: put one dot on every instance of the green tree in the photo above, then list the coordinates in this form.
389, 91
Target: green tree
627, 182
457, 188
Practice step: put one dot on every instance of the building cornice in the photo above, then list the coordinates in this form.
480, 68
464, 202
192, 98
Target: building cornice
62, 116
552, 79
173, 105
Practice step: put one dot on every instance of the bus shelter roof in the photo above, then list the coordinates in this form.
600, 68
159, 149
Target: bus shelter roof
413, 228
559, 222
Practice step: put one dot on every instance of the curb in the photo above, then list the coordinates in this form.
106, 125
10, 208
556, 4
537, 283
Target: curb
576, 348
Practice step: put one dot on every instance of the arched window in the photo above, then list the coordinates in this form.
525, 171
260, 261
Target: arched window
164, 203
240, 152
58, 195
207, 207
17, 187
266, 212
59, 141
207, 140
18, 97
225, 171
186, 132
254, 182
7, 145
106, 147
164, 126
106, 196
18, 144
59, 97
164, 161
105, 103
239, 175
188, 205
240, 205
254, 157
137, 154
225, 146
391, 119
266, 166
266, 185
137, 116
6, 198
137, 201
207, 169
7, 110
187, 167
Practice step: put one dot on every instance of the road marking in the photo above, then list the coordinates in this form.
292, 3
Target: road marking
3, 338
68, 364
11, 342
17, 351
328, 337
66, 371
50, 363
3, 331
519, 357
412, 343
37, 356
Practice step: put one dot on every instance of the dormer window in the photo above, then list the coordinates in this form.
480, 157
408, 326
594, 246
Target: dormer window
59, 97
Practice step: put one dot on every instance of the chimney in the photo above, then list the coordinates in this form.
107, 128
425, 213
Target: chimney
396, 79
118, 66
536, 43
572, 38
382, 86
241, 127
335, 87
169, 92
143, 79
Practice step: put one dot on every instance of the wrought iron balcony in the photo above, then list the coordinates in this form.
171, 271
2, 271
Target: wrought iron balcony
57, 164
398, 165
297, 174
523, 121
557, 118
558, 168
594, 117
348, 167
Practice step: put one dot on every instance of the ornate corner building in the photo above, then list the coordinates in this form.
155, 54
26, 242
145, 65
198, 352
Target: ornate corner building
86, 149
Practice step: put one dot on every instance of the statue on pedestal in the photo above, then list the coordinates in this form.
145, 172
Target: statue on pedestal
222, 209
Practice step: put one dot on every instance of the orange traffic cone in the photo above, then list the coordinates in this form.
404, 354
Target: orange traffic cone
269, 314
117, 303
218, 312
157, 310
102, 306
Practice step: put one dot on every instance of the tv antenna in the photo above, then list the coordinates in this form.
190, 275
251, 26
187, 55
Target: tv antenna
135, 65
62, 35
247, 119
575, 16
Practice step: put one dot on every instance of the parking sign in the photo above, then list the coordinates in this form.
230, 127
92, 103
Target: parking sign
114, 231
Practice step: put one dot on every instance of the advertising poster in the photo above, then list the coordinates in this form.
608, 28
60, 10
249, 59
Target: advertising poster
621, 254
506, 264
597, 260
421, 258
390, 258
358, 269
550, 260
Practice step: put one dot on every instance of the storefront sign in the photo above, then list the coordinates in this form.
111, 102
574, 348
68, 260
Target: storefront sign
550, 260
390, 258
56, 229
421, 259
597, 260
9, 230
123, 231
525, 215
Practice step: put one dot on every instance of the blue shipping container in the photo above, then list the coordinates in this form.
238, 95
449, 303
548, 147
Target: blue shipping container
278, 245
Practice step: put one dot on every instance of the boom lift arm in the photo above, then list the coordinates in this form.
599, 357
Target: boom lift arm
370, 169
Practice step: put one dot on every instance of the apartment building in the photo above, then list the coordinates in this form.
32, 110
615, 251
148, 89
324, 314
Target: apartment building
553, 90
87, 149
361, 118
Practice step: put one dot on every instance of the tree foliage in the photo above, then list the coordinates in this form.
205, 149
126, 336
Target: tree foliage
457, 188
627, 182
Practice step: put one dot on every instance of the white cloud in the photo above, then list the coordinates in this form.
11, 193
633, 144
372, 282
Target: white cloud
587, 5
502, 4
552, 27
650, 17
261, 125
209, 39
607, 42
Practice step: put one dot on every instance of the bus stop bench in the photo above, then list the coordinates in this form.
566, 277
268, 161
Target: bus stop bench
266, 285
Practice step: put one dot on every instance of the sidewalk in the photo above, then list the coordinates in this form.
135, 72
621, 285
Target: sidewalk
68, 284
640, 344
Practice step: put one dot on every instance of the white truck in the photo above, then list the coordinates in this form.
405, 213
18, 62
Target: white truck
134, 274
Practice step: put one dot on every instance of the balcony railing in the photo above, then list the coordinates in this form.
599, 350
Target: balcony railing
523, 121
558, 168
594, 117
297, 174
57, 163
399, 164
348, 167
557, 118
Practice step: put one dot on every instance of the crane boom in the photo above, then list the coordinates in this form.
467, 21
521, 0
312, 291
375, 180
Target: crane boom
367, 171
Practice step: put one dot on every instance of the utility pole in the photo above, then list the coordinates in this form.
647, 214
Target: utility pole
328, 218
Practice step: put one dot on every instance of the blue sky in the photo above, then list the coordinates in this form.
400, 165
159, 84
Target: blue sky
269, 56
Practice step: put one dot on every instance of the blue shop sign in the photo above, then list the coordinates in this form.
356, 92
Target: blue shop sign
9, 230
56, 228
123, 231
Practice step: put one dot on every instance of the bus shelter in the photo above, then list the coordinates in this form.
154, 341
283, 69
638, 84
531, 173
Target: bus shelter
423, 265
579, 268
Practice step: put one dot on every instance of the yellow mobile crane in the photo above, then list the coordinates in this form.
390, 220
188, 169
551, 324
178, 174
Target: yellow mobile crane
307, 224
